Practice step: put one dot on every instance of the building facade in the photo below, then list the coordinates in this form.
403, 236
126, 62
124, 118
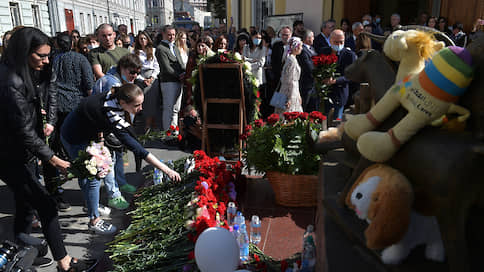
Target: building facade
24, 12
159, 13
52, 16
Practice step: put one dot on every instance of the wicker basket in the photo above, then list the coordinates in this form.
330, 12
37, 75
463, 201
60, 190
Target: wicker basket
294, 190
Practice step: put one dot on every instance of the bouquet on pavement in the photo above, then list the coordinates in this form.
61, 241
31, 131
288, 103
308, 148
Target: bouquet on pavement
93, 162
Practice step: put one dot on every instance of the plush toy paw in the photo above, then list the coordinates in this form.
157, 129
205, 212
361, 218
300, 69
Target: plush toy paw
435, 252
357, 125
376, 146
394, 254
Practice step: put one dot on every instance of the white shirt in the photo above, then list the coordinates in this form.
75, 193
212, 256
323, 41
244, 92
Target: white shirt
149, 64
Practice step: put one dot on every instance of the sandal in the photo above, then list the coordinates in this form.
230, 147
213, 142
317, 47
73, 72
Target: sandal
77, 265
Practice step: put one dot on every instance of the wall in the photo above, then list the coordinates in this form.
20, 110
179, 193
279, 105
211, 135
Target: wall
312, 10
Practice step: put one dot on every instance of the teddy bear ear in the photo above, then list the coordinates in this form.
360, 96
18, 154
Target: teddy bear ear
368, 172
389, 211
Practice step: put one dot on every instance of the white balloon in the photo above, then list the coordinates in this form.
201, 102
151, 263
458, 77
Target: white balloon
216, 250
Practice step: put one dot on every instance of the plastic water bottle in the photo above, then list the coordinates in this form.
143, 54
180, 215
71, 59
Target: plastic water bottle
255, 229
235, 232
309, 251
239, 219
158, 176
231, 213
243, 240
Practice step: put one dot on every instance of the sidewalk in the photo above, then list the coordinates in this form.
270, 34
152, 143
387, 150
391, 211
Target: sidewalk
78, 240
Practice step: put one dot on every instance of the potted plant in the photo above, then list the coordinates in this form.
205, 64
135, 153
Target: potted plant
278, 147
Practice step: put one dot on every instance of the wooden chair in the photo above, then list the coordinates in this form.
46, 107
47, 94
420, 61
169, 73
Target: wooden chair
208, 99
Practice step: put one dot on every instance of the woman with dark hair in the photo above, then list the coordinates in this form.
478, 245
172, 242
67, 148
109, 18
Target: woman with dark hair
83, 46
127, 70
256, 56
143, 48
106, 113
75, 79
75, 36
242, 41
221, 43
443, 26
346, 27
25, 75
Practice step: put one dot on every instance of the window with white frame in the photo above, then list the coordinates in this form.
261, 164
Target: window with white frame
36, 16
262, 8
83, 26
89, 24
15, 14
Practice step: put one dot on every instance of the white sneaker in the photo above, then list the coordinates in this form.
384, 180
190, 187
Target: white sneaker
102, 227
103, 210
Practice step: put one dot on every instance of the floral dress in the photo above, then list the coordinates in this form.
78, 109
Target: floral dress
290, 85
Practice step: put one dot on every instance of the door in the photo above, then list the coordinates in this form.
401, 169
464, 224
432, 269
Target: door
69, 19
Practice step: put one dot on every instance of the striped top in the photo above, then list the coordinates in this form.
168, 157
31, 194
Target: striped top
446, 76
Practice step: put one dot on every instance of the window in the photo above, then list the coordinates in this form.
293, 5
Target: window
36, 16
89, 24
262, 8
155, 3
95, 20
83, 26
15, 14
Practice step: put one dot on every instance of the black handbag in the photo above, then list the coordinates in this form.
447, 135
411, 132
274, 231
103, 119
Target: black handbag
112, 142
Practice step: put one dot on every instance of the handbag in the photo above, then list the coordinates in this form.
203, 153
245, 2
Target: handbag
112, 142
278, 99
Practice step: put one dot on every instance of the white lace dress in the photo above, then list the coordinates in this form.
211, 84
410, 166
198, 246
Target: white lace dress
290, 85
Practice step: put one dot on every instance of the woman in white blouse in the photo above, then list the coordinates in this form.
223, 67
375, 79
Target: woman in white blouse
181, 43
255, 54
144, 49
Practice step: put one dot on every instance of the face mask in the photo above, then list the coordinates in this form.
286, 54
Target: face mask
366, 22
337, 47
124, 78
90, 46
256, 41
377, 20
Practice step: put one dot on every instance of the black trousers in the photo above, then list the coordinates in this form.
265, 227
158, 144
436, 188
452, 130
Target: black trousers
21, 178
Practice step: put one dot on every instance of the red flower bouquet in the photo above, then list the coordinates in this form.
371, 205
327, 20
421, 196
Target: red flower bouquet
324, 68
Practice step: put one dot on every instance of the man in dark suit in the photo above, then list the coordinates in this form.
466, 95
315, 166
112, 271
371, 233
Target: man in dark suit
340, 85
278, 50
306, 81
170, 76
350, 42
322, 40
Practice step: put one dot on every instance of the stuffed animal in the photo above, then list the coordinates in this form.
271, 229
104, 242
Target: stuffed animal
383, 197
411, 48
427, 96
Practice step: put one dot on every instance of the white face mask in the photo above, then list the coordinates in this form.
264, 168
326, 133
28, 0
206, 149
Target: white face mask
337, 47
256, 41
91, 46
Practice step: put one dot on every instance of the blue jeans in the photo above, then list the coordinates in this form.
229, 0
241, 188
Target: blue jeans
115, 177
90, 187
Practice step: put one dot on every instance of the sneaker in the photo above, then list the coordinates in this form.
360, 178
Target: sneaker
77, 265
102, 227
118, 203
103, 210
41, 262
128, 188
62, 205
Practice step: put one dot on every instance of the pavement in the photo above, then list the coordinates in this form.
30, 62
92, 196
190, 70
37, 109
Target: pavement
79, 242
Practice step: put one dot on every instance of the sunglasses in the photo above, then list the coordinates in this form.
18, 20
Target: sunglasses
42, 56
134, 72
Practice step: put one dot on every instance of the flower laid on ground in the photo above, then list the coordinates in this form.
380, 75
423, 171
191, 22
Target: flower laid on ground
170, 216
281, 145
172, 133
324, 68
93, 162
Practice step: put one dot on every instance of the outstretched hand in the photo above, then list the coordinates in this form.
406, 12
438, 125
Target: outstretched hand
173, 175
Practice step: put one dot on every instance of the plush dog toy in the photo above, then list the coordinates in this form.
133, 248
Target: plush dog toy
383, 197
427, 96
411, 48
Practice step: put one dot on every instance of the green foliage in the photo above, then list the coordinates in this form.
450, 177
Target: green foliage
282, 147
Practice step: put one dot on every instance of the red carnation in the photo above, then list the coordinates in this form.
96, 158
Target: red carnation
303, 115
172, 127
259, 123
316, 115
168, 133
179, 137
273, 118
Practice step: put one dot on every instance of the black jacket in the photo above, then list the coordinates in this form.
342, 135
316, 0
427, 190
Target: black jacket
22, 137
320, 44
306, 81
276, 60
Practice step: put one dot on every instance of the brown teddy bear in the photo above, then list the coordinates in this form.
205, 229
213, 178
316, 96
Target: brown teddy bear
383, 197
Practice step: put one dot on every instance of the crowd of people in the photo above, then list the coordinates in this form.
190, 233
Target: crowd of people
79, 89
